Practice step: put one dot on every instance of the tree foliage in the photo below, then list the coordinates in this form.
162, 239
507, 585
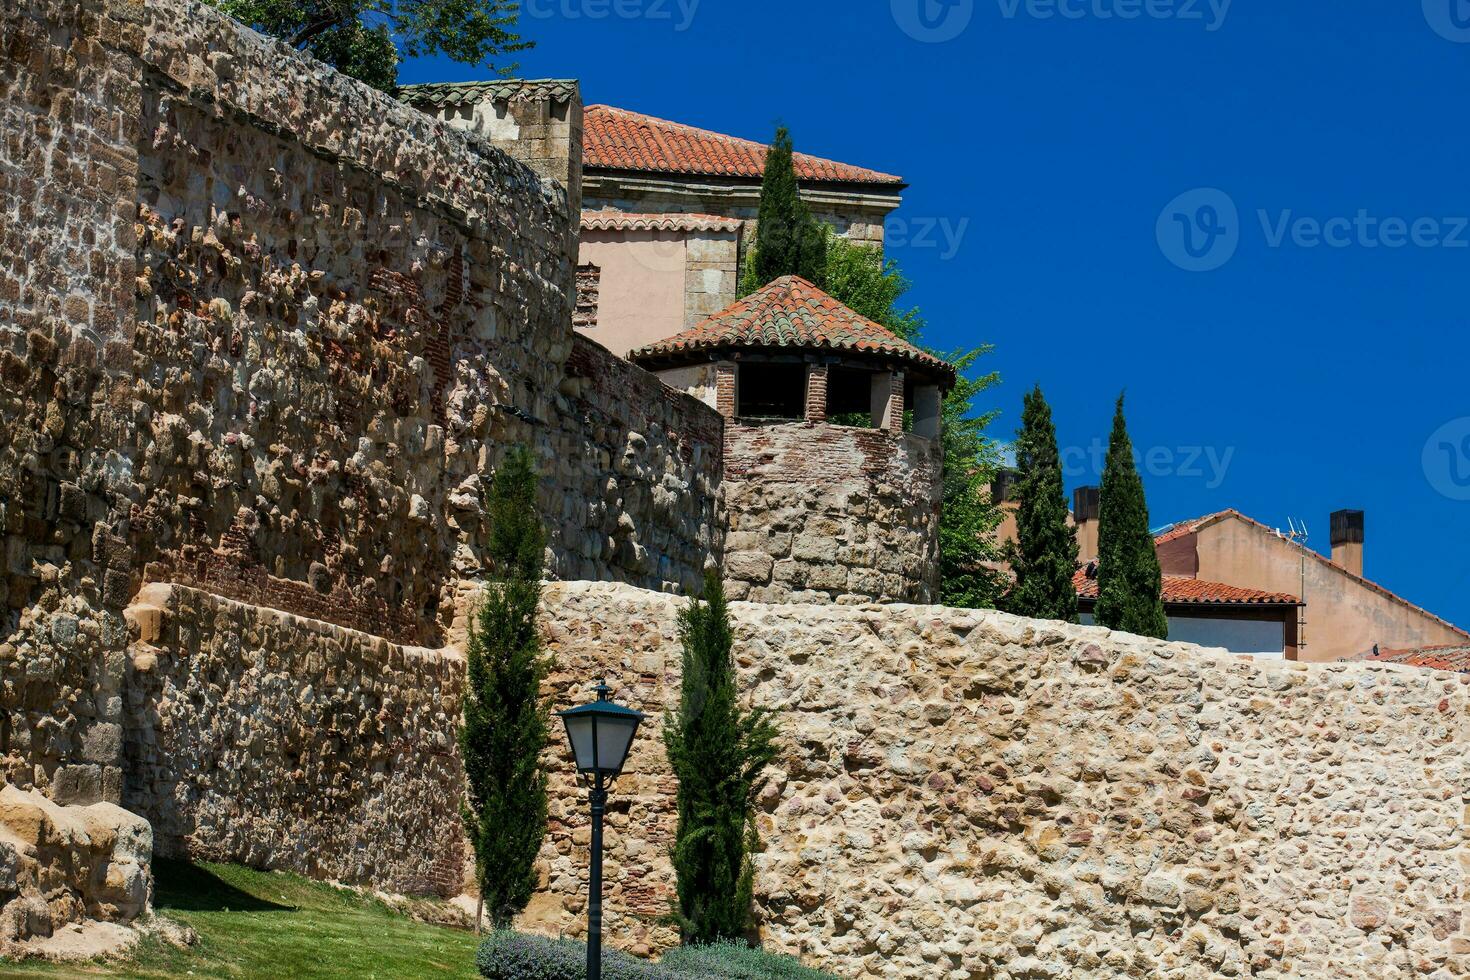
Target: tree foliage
788, 240
718, 752
1129, 585
1044, 558
368, 38
505, 719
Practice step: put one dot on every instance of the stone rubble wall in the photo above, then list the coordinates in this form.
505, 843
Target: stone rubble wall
259, 737
65, 865
637, 477
266, 332
968, 794
829, 513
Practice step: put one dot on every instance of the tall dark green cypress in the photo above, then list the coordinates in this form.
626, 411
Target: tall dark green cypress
1129, 596
718, 753
1045, 557
505, 719
788, 240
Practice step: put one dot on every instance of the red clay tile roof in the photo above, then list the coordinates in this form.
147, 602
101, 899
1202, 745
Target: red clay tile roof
791, 313
1199, 523
1193, 591
616, 139
622, 221
1456, 658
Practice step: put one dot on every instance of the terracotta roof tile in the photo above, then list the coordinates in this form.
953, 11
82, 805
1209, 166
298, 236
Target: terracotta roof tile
616, 139
791, 313
1456, 658
1192, 591
623, 221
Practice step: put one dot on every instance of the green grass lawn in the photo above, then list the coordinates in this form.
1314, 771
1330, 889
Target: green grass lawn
259, 924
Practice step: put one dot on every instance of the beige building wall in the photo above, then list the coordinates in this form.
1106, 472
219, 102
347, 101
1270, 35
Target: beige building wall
655, 282
641, 292
1344, 615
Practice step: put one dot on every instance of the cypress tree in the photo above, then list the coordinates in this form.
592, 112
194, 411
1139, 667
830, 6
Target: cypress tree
718, 753
1045, 557
788, 240
505, 719
1128, 581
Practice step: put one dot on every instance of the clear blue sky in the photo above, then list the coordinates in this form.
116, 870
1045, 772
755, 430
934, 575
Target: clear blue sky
1307, 376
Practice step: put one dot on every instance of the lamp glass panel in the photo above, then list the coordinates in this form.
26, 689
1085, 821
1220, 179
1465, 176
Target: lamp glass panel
614, 736
580, 733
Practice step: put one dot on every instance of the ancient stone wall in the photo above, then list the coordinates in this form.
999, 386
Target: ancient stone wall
263, 738
69, 114
972, 794
636, 476
831, 513
266, 332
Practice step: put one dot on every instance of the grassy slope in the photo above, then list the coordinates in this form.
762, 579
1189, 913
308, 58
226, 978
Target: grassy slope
256, 924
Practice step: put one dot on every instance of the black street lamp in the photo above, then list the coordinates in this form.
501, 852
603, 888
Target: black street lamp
600, 734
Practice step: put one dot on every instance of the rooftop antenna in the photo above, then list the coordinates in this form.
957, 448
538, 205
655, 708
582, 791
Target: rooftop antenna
1298, 534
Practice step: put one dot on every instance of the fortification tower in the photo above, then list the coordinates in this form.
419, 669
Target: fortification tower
832, 461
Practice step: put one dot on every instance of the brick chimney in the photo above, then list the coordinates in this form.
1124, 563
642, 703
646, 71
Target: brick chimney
1086, 506
1347, 540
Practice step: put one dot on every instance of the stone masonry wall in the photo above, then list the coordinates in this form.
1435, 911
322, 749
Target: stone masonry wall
266, 332
823, 513
263, 738
969, 794
636, 475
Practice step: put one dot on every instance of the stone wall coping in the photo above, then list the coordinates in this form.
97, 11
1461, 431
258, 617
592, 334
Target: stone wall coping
163, 595
326, 111
1048, 632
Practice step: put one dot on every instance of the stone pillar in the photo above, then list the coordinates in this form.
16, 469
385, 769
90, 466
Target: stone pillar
888, 400
927, 404
725, 388
816, 393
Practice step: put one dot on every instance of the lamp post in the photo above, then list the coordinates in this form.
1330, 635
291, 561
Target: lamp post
600, 734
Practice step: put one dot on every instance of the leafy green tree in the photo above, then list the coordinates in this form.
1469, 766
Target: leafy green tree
505, 719
368, 38
718, 752
788, 240
859, 276
1045, 556
1129, 585
969, 557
